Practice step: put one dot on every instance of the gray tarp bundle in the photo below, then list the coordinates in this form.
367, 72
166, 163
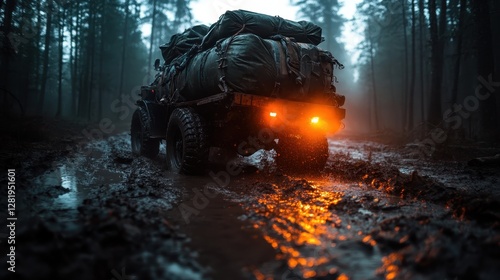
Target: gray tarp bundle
250, 64
262, 25
181, 43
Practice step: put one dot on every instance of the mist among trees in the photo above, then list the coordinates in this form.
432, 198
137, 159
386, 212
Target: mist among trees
424, 64
73, 59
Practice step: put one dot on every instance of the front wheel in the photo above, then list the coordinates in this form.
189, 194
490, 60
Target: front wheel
140, 135
187, 142
302, 153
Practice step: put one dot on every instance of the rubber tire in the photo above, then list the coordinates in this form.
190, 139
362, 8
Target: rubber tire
140, 135
187, 142
301, 154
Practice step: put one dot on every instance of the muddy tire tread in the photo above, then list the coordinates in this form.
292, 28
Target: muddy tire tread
150, 147
196, 148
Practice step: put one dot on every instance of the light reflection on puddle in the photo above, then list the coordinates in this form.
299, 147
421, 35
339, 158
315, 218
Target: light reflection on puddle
314, 239
70, 176
300, 229
68, 181
64, 176
406, 170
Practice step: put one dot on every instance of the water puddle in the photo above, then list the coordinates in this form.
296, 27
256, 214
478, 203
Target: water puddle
327, 229
314, 240
406, 170
62, 190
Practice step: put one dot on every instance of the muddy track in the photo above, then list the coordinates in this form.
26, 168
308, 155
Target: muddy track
372, 214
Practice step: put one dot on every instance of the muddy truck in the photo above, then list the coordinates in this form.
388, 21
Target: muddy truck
246, 83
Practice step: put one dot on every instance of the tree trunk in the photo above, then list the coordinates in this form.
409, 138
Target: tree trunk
413, 66
374, 86
87, 63
101, 53
124, 48
90, 81
71, 56
61, 53
28, 96
458, 58
405, 89
152, 38
75, 80
7, 51
421, 8
485, 66
46, 52
437, 31
495, 31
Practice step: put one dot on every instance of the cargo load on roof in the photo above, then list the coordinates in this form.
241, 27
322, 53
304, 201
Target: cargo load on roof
181, 43
247, 77
265, 26
249, 53
247, 63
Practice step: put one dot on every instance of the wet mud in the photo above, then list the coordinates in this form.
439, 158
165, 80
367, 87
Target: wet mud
375, 212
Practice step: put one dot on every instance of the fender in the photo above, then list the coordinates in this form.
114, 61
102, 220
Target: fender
157, 115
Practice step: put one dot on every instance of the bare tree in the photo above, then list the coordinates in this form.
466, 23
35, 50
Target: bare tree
124, 47
411, 96
374, 85
405, 88
152, 37
62, 18
46, 51
422, 25
101, 60
7, 51
485, 67
437, 31
458, 55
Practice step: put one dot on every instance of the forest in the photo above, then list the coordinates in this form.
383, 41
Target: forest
423, 64
120, 165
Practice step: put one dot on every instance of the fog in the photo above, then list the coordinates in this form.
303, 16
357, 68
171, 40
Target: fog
410, 67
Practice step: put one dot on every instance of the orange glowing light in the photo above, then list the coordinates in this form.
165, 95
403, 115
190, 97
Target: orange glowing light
300, 227
343, 277
273, 114
315, 120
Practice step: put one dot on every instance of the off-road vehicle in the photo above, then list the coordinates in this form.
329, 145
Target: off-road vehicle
241, 90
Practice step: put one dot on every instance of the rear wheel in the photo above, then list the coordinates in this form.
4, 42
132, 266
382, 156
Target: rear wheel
187, 142
299, 153
140, 135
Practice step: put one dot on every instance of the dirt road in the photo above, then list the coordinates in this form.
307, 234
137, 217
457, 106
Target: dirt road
376, 212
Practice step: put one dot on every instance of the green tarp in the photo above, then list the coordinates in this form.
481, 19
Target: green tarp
250, 64
240, 21
181, 43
